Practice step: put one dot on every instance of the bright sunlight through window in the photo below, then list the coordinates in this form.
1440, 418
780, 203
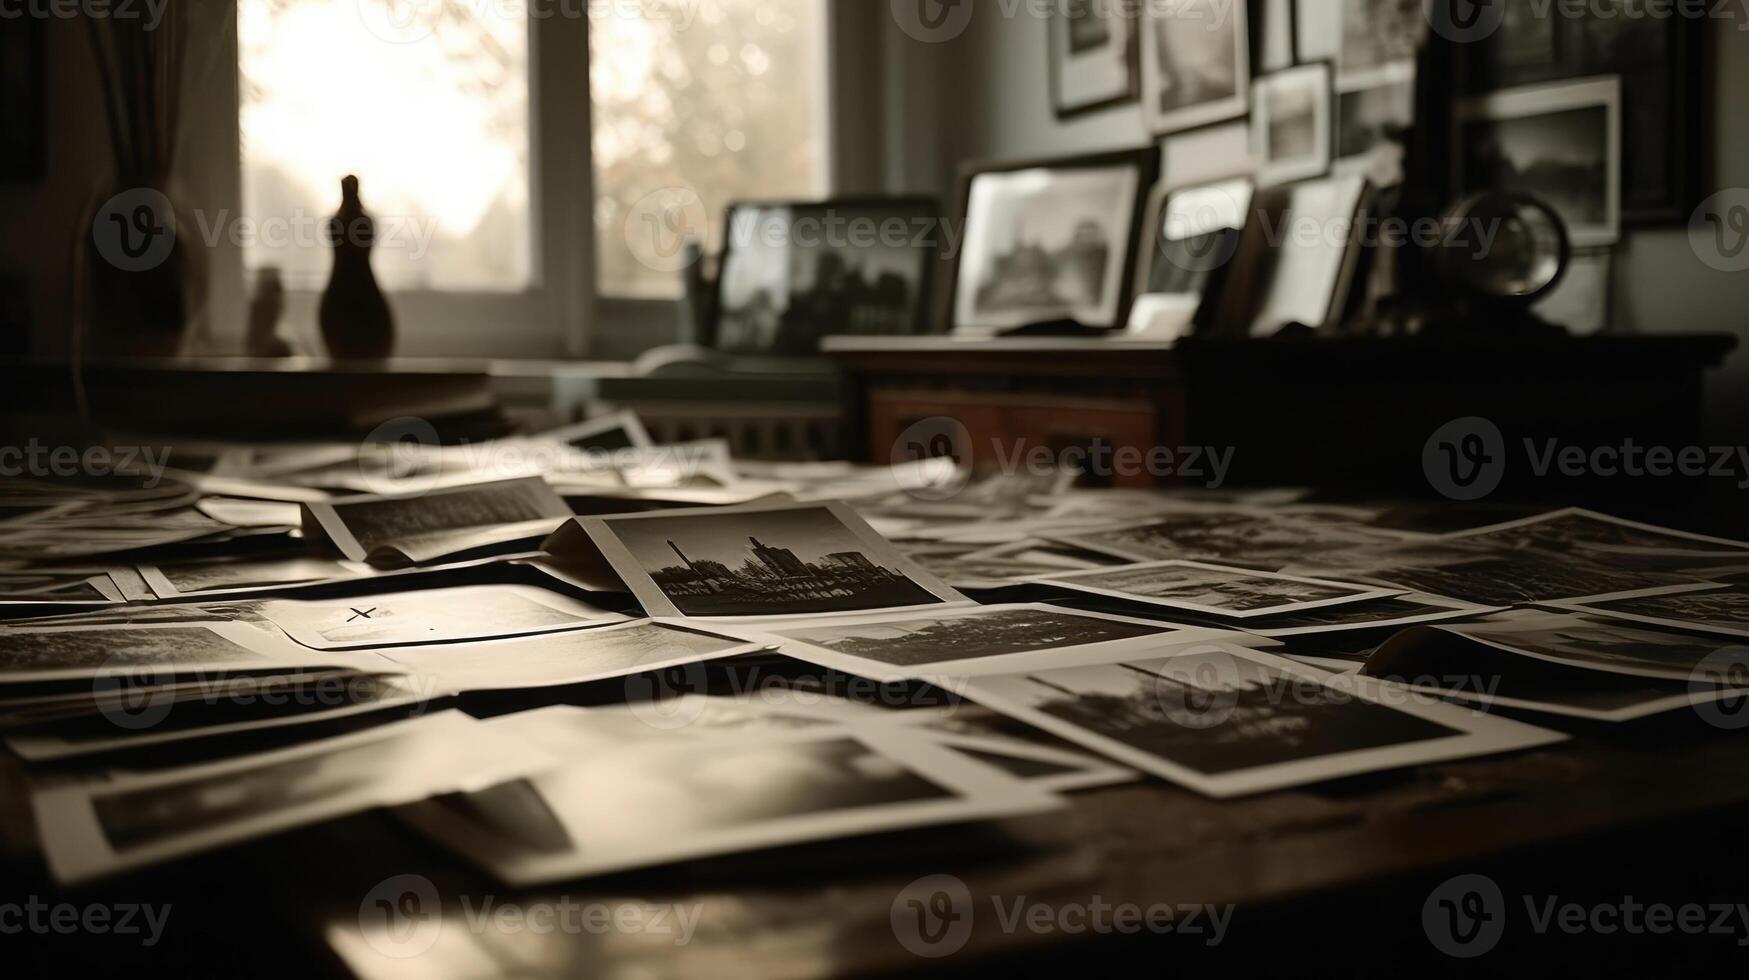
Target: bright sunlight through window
429, 109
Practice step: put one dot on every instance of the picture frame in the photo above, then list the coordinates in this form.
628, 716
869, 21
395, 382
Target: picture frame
1047, 241
1508, 141
1094, 46
1665, 70
1196, 64
772, 292
22, 99
1187, 238
1292, 123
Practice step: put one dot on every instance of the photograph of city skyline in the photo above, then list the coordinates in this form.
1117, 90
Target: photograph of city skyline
772, 563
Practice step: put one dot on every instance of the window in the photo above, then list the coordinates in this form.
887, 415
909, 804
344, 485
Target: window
698, 104
431, 115
465, 122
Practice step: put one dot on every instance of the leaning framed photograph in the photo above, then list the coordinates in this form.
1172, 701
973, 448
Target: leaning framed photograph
793, 272
1560, 143
1291, 125
1093, 55
1049, 241
1196, 63
1187, 239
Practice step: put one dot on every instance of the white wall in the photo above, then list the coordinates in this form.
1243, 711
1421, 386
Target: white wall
990, 89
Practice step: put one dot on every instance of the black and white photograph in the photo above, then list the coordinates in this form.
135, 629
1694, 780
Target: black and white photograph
794, 273
135, 653
1602, 538
1379, 38
1263, 540
545, 660
215, 578
1188, 237
1426, 660
1226, 721
1196, 64
1214, 589
424, 526
668, 802
1094, 51
431, 616
1662, 64
1291, 124
314, 699
1593, 642
781, 560
101, 828
965, 641
1391, 612
1372, 129
1045, 244
1716, 609
609, 433
1560, 143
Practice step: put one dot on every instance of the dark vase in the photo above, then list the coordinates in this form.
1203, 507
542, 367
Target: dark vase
355, 317
142, 277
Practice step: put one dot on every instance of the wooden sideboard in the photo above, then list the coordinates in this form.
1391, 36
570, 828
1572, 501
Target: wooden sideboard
1339, 413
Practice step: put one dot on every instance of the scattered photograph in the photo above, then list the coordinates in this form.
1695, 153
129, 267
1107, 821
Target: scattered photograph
563, 659
1093, 51
88, 652
273, 703
1483, 575
1290, 124
604, 434
1371, 614
665, 802
1506, 671
961, 642
1600, 536
431, 616
779, 560
94, 829
1710, 609
1265, 540
426, 526
1593, 643
173, 581
794, 273
1214, 589
1196, 64
1560, 143
1046, 244
1227, 721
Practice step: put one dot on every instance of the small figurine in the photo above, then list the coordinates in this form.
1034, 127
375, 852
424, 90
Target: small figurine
265, 310
355, 317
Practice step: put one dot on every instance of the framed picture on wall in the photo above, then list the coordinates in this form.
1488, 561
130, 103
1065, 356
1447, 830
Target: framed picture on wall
793, 272
1664, 77
1196, 63
1093, 55
1290, 124
1560, 143
1049, 241
21, 98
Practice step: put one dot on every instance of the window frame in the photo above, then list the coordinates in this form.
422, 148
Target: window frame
562, 313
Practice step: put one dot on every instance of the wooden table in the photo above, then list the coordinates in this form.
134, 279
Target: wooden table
1331, 879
